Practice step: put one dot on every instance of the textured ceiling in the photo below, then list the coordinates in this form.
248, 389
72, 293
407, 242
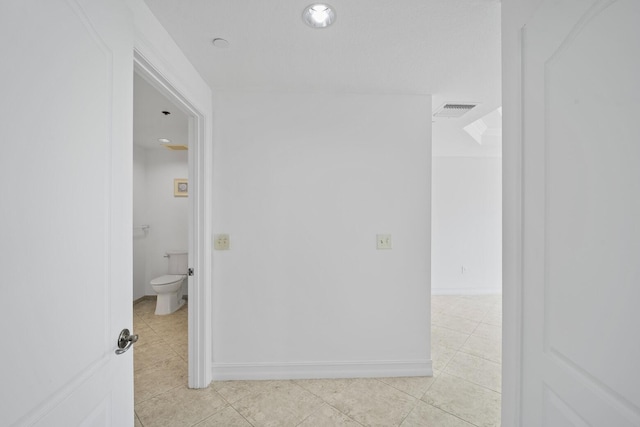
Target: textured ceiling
447, 48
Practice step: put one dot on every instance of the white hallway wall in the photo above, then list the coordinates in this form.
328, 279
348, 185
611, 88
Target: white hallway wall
157, 44
466, 225
155, 205
302, 184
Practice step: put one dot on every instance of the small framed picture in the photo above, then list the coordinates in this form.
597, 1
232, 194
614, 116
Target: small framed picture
180, 187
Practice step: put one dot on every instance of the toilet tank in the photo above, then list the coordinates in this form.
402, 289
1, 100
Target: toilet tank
177, 262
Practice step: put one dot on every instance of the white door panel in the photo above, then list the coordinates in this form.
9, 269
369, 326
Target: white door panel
65, 108
581, 188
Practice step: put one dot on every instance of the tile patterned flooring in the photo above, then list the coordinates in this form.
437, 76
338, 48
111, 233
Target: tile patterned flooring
464, 391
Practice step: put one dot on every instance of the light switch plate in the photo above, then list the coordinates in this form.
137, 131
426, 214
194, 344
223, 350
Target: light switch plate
221, 242
383, 241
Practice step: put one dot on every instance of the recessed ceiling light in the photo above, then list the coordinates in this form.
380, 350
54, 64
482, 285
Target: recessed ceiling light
164, 140
221, 43
319, 15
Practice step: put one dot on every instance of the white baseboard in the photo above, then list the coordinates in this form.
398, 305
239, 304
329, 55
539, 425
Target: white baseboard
308, 370
466, 291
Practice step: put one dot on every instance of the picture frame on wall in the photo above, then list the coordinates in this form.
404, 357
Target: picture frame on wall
180, 187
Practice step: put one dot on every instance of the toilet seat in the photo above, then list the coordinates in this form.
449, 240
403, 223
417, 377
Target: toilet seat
167, 279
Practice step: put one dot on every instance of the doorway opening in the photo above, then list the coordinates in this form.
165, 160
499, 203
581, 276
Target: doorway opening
466, 263
160, 241
188, 164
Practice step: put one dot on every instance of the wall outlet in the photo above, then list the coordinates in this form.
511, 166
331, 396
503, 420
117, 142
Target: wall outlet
463, 269
221, 242
383, 241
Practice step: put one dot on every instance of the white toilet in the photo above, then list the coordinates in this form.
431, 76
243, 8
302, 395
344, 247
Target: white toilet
169, 286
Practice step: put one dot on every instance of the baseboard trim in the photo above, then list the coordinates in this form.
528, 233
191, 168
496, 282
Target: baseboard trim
308, 370
144, 298
154, 297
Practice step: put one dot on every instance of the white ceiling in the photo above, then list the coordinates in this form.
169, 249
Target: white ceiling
149, 124
447, 48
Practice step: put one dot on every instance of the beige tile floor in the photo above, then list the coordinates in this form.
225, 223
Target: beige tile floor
465, 389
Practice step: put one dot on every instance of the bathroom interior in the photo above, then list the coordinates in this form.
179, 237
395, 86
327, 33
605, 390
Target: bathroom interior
160, 224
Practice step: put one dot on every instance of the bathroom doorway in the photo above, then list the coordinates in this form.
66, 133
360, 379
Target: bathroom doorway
170, 153
160, 213
160, 229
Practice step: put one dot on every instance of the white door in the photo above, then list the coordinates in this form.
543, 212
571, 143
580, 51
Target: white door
66, 75
581, 193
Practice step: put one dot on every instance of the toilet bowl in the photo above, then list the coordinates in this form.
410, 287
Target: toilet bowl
169, 286
169, 289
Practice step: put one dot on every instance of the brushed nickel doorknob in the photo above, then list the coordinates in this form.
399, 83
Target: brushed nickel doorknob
125, 341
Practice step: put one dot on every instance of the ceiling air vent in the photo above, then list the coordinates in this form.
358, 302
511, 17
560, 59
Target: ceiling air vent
176, 147
453, 110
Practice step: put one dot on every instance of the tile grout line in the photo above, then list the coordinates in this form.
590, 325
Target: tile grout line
444, 369
219, 411
229, 405
474, 383
156, 365
329, 404
458, 350
243, 417
312, 412
452, 414
237, 410
463, 379
480, 357
408, 394
415, 403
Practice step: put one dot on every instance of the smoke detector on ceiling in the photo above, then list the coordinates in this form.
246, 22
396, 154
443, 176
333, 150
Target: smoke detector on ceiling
454, 110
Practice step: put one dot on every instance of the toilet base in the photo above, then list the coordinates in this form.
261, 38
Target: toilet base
168, 303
